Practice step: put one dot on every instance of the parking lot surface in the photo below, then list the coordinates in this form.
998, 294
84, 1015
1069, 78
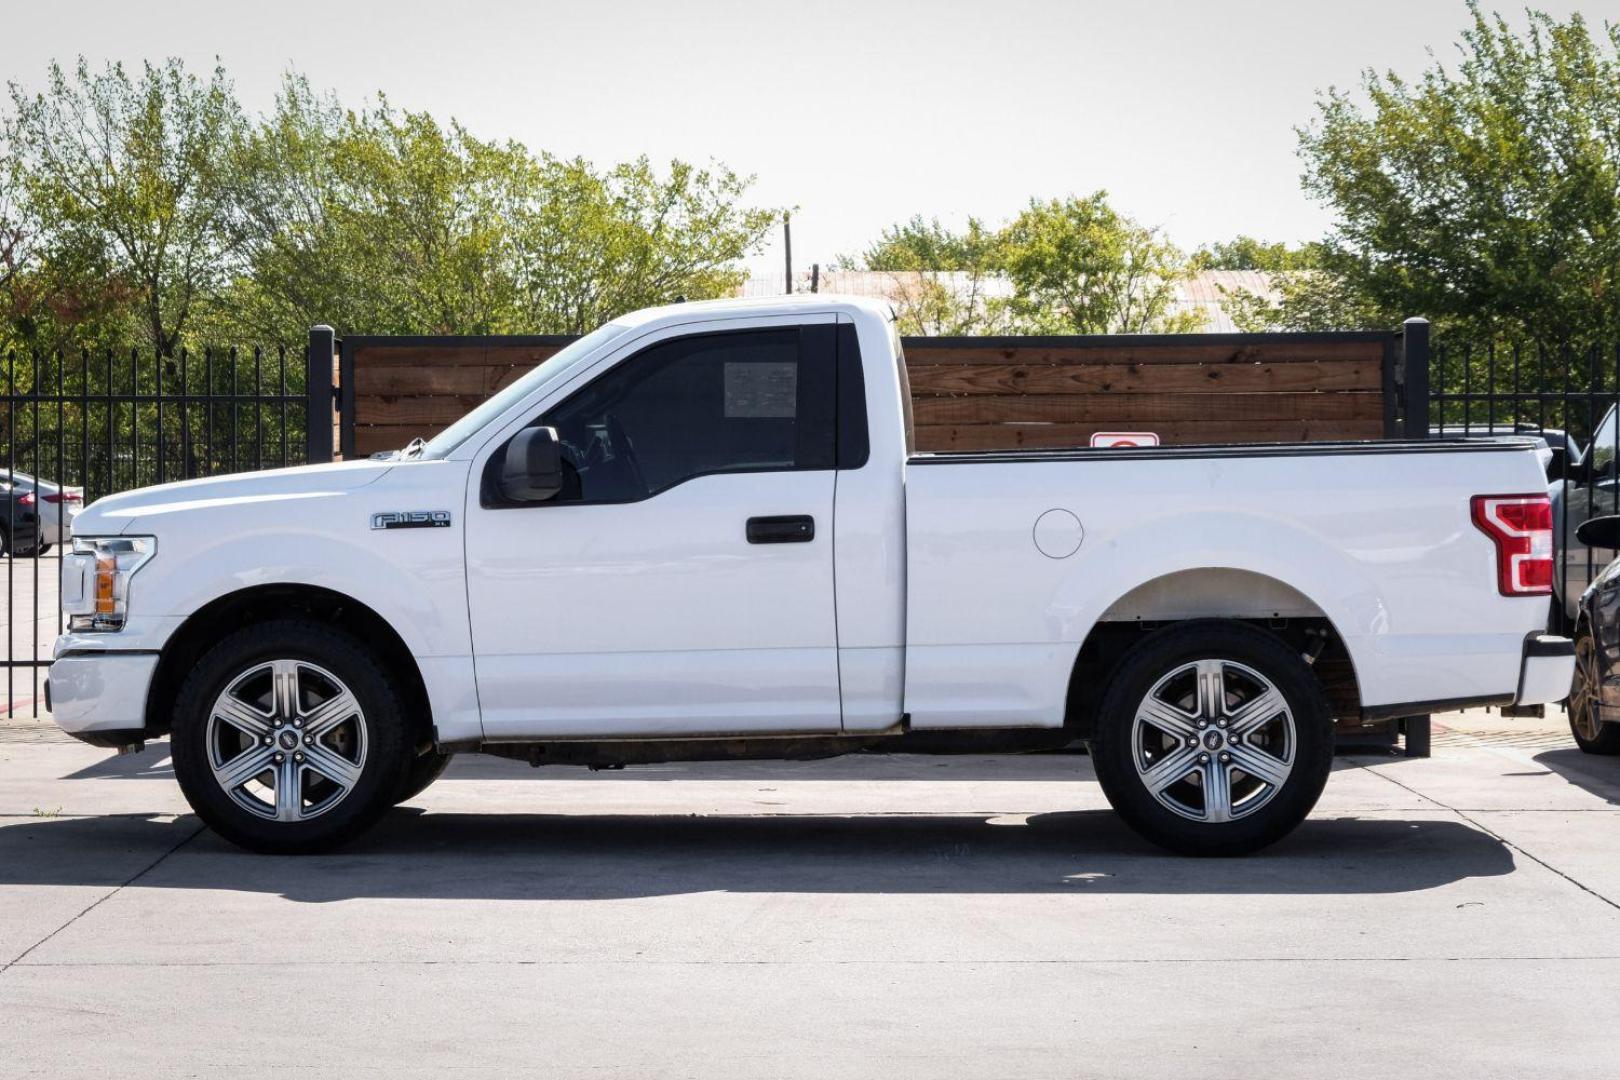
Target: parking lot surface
863, 917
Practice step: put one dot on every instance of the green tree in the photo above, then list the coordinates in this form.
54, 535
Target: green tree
1062, 266
942, 282
1248, 253
1078, 266
131, 182
389, 222
591, 245
374, 222
1485, 195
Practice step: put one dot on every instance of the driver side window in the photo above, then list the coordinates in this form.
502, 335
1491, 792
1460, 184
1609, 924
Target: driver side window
693, 406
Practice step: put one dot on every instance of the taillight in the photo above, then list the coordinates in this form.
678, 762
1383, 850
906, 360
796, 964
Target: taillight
65, 497
26, 500
1521, 528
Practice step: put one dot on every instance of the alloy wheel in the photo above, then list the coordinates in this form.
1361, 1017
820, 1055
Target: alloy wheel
1583, 690
286, 740
1214, 740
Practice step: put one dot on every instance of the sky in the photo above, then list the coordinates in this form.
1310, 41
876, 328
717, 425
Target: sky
859, 114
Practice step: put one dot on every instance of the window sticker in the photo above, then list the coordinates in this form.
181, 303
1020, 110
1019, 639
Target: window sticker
761, 391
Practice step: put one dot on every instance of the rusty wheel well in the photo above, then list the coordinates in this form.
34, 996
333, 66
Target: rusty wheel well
231, 612
1108, 643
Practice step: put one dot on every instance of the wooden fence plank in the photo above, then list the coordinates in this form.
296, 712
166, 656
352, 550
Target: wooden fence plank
939, 380
428, 379
448, 355
1139, 410
1126, 352
1053, 436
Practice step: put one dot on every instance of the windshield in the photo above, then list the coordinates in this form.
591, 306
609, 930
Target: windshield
556, 366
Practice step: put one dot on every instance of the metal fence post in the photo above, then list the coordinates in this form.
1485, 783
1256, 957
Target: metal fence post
1415, 378
1415, 418
318, 385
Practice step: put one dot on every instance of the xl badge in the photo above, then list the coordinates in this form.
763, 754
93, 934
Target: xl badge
412, 519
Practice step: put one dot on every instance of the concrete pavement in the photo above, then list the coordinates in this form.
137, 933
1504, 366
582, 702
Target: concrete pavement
864, 917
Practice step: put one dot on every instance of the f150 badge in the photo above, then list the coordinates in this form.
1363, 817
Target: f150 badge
412, 519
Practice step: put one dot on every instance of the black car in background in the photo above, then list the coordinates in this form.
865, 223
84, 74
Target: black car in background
19, 519
1594, 694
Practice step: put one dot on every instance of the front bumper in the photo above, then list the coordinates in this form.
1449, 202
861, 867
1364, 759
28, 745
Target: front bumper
1546, 670
101, 697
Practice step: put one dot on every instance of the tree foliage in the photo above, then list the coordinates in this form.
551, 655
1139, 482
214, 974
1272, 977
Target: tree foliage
152, 208
1484, 195
943, 282
1078, 266
1070, 266
1248, 253
124, 185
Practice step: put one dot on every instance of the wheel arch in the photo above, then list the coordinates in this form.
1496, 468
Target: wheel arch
1228, 594
259, 603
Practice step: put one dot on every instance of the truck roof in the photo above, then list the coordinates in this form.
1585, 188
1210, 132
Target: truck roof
757, 305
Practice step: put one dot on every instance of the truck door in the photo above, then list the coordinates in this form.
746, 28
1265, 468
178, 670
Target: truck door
681, 583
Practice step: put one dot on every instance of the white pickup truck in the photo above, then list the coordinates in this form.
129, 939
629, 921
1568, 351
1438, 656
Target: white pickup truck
701, 533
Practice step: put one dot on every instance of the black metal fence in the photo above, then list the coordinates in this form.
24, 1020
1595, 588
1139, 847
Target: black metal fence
1565, 392
77, 426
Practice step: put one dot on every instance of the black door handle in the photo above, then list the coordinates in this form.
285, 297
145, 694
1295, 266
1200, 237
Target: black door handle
791, 529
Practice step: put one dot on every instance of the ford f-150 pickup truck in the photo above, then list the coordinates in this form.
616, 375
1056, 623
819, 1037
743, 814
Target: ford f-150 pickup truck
701, 533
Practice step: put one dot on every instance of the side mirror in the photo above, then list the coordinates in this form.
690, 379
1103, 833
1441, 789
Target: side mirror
531, 470
1600, 532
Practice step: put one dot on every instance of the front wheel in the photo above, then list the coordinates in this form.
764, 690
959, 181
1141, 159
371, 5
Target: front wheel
289, 738
1213, 738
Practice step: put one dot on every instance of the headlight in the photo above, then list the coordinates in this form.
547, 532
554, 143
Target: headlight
95, 579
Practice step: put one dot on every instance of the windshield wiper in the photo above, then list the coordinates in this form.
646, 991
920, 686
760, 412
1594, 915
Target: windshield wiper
416, 447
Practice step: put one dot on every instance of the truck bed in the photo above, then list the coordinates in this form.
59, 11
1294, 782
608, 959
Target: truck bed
1375, 538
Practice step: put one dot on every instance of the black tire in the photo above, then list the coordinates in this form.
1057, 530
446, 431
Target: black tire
1591, 734
1274, 809
423, 770
382, 769
5, 541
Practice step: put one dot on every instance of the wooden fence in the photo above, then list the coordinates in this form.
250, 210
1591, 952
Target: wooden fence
974, 393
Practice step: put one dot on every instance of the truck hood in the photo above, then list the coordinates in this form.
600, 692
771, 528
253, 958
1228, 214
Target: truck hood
145, 509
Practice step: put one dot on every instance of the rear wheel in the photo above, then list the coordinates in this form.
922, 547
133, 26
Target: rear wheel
1213, 738
1591, 733
289, 738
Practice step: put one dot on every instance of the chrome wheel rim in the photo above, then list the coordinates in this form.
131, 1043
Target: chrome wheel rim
1214, 741
1583, 690
286, 740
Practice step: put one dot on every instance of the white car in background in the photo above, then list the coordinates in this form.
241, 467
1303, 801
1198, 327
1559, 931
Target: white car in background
56, 506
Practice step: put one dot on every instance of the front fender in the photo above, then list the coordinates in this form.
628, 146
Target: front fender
413, 578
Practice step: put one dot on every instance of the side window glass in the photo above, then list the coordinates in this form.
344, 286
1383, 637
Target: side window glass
737, 402
1601, 454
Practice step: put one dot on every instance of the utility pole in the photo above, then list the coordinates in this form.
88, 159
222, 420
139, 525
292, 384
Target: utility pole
787, 248
815, 277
